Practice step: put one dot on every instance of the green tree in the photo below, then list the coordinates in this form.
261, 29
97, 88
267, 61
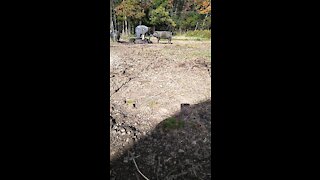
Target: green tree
160, 17
164, 14
191, 21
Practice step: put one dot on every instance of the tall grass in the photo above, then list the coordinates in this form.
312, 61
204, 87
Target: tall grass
199, 33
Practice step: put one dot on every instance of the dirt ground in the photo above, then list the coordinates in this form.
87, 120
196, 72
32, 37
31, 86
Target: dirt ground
151, 131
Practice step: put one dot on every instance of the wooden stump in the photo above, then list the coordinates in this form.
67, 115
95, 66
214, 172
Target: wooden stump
185, 111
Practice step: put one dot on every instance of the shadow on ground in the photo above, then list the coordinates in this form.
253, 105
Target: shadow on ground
178, 148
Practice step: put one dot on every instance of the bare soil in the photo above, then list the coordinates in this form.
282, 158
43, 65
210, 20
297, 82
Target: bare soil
149, 83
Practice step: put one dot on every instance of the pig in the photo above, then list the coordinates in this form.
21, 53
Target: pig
163, 35
115, 35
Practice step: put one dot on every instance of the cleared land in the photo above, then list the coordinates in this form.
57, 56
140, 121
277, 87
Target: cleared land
148, 130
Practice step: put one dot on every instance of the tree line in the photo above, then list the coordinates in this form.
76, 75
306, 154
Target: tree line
170, 15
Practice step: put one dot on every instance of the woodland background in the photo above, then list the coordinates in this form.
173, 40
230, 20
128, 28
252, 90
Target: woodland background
192, 17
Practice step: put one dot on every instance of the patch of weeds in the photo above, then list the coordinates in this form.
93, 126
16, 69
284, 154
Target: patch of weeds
199, 33
129, 101
173, 123
191, 38
153, 104
127, 37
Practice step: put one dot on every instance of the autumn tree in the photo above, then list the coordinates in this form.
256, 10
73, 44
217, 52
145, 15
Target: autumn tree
129, 11
163, 14
203, 7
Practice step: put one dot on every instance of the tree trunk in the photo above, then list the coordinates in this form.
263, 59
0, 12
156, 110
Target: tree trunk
196, 26
115, 21
204, 21
111, 22
123, 27
129, 28
132, 27
126, 25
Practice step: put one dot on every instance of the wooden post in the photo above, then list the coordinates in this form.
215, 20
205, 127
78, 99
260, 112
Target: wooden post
185, 111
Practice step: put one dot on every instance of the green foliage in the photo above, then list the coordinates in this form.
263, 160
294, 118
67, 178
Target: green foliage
164, 3
160, 16
176, 15
172, 123
207, 24
191, 20
199, 33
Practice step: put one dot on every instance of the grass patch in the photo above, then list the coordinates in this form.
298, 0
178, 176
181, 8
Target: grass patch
173, 123
199, 33
153, 104
185, 38
129, 101
127, 37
